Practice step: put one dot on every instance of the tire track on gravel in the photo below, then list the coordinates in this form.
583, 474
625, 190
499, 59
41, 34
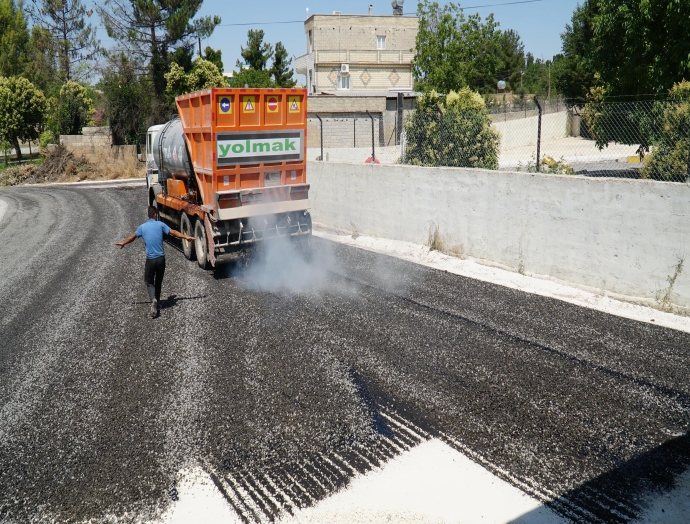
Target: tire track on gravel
61, 422
60, 305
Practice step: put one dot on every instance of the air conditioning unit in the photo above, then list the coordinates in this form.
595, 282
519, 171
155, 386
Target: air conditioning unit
345, 69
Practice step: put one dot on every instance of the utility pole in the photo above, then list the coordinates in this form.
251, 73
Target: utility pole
548, 95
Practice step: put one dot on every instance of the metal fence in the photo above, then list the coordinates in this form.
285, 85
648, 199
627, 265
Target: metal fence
643, 139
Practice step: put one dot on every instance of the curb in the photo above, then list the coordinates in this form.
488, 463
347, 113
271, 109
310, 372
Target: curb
95, 184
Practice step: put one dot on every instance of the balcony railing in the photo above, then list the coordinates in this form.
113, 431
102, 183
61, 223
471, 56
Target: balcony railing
359, 57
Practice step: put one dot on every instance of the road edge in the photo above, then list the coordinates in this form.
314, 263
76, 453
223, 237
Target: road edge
418, 254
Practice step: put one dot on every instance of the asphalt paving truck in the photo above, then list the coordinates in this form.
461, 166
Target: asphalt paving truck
231, 170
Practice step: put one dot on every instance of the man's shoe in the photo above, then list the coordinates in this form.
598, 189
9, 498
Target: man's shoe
154, 308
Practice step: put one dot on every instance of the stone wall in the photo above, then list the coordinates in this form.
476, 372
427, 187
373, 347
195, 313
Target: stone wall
95, 143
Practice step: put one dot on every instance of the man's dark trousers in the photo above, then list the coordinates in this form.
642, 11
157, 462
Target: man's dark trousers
153, 276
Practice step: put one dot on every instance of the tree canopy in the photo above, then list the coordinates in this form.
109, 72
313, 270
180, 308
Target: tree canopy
254, 71
14, 37
22, 107
280, 69
257, 53
76, 42
75, 109
152, 30
627, 47
456, 51
204, 75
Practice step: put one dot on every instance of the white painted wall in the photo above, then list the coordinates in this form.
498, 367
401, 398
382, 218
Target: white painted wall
523, 132
617, 235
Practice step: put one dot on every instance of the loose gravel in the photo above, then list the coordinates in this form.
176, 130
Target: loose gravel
283, 388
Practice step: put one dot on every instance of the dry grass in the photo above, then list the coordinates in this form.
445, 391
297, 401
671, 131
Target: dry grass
436, 242
664, 296
61, 165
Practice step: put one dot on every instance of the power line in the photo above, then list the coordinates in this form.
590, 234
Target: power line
495, 5
411, 14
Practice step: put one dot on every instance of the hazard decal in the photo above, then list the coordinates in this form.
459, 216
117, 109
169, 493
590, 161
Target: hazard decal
249, 104
225, 105
294, 104
272, 104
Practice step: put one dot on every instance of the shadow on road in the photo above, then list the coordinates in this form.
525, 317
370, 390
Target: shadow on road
618, 495
172, 300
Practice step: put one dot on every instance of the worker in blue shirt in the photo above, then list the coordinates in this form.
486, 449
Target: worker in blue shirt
152, 232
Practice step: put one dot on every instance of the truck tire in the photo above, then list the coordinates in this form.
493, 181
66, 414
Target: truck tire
188, 248
200, 244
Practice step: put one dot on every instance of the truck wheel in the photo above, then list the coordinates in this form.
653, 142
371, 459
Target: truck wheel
188, 248
200, 244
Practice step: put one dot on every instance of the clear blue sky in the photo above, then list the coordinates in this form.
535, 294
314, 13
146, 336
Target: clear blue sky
538, 23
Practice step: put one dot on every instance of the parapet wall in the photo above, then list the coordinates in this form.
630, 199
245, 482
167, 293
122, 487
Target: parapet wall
623, 237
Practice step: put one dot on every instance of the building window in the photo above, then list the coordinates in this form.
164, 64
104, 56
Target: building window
310, 42
380, 42
343, 81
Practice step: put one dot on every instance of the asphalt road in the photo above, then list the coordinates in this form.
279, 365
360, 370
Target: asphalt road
282, 378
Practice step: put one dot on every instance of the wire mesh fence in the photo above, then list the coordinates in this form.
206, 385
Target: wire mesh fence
647, 139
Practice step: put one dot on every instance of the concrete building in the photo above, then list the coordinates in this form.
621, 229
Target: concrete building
358, 53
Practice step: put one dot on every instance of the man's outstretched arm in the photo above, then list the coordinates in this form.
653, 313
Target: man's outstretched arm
130, 238
179, 235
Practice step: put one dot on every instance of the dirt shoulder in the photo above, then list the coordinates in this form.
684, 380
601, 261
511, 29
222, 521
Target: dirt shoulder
61, 165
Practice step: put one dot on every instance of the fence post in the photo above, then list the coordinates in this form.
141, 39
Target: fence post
399, 120
321, 140
373, 151
536, 101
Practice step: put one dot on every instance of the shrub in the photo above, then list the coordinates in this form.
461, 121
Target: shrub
75, 109
671, 146
453, 130
47, 137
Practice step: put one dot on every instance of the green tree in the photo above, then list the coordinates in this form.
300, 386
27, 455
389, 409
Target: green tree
629, 47
215, 57
453, 130
14, 37
454, 50
640, 46
204, 75
257, 53
75, 109
127, 99
41, 61
512, 60
76, 41
153, 30
669, 157
574, 74
251, 78
281, 70
22, 107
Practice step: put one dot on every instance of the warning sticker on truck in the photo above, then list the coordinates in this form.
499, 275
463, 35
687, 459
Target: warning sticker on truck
255, 148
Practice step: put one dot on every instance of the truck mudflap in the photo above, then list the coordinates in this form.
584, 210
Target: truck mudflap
211, 243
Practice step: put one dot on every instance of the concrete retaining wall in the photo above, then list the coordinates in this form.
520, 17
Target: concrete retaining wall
523, 132
621, 236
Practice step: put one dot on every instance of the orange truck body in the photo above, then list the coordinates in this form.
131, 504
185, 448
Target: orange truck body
243, 173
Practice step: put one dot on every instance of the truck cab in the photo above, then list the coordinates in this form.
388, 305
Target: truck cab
151, 167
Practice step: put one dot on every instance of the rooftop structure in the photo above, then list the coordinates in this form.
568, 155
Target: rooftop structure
359, 53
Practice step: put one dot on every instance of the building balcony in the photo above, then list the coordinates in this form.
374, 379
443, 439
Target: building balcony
361, 57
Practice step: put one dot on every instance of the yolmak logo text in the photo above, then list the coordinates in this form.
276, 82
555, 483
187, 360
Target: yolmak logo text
267, 147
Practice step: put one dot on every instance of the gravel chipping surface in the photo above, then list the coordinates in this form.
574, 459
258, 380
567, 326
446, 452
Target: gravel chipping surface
281, 378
